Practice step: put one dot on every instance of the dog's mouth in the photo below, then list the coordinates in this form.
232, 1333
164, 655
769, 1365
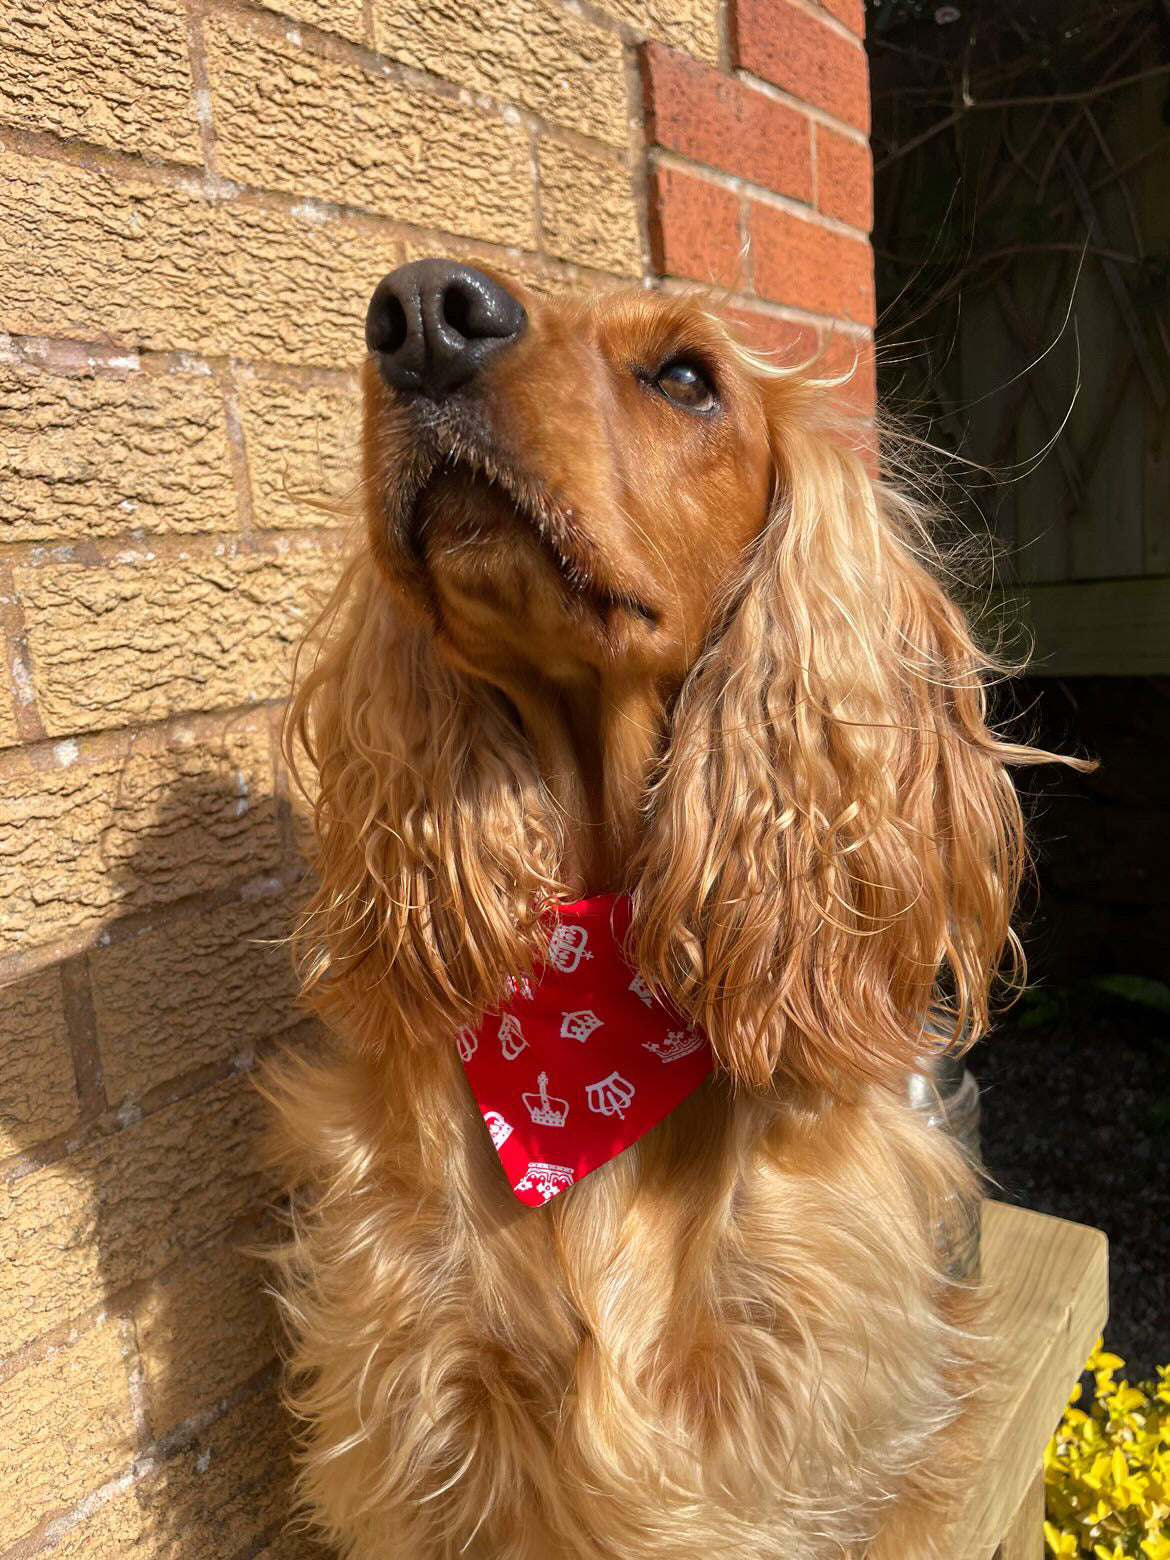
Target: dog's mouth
459, 492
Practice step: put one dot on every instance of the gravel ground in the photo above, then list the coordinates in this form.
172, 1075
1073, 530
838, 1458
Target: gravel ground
1072, 1126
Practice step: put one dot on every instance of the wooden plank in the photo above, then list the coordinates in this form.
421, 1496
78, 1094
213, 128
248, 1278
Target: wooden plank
989, 409
1152, 182
1118, 628
1047, 1285
1024, 1540
1137, 332
1105, 529
1156, 507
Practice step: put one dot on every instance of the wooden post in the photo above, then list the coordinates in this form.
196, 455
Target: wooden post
1047, 1290
1024, 1539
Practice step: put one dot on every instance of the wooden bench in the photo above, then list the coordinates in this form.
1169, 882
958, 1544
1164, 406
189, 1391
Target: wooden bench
1049, 1297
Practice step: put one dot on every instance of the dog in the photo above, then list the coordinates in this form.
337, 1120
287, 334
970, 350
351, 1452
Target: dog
632, 618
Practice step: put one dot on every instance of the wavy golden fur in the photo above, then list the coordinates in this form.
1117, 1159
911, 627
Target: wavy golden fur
597, 639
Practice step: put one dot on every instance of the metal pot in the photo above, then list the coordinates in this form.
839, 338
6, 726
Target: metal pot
945, 1092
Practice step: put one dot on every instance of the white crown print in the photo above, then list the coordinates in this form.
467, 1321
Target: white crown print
566, 948
545, 1109
548, 1180
641, 990
512, 1040
498, 1128
678, 1043
579, 1026
611, 1097
519, 986
468, 1042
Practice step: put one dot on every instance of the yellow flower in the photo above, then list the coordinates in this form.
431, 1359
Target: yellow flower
1107, 1469
1126, 1400
1060, 1543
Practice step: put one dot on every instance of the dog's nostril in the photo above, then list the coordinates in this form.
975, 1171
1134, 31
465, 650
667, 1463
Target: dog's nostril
388, 325
456, 306
393, 327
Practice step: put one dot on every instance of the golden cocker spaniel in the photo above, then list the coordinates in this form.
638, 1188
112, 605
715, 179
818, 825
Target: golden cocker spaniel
631, 618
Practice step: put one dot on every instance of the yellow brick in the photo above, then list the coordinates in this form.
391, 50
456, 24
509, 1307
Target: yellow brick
109, 71
201, 1332
93, 456
38, 1096
236, 1482
529, 52
84, 254
301, 793
302, 443
87, 835
336, 16
64, 1429
116, 1528
152, 637
587, 209
211, 1501
692, 25
289, 119
80, 1230
197, 990
8, 732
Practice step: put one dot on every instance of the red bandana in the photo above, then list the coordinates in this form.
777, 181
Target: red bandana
581, 1060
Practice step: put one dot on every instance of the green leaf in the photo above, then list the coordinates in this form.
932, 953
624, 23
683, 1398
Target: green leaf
1036, 1008
1139, 989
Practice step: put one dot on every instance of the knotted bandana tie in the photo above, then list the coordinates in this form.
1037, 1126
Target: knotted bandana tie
582, 1059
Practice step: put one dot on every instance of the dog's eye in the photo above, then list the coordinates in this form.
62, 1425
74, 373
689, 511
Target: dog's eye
686, 385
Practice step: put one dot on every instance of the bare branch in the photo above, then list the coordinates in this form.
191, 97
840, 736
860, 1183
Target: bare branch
1036, 101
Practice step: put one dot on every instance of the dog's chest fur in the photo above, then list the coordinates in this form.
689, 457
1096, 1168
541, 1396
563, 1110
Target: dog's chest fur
730, 1337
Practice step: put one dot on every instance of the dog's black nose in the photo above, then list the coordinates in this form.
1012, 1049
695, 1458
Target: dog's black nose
433, 324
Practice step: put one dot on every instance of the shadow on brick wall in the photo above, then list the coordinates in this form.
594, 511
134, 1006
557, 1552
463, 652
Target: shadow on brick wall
171, 1442
179, 1032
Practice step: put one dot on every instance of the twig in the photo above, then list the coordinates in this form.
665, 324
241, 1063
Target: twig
1010, 250
1020, 102
1122, 169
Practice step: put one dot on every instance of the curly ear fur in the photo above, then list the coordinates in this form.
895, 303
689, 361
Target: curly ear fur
832, 826
437, 843
833, 823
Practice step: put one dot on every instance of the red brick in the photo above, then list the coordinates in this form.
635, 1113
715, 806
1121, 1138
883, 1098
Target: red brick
810, 267
844, 178
851, 12
694, 228
790, 341
852, 355
796, 51
712, 118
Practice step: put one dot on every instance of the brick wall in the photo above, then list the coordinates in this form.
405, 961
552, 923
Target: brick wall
196, 199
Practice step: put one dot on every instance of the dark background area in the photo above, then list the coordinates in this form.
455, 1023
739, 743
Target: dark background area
1022, 251
1076, 1078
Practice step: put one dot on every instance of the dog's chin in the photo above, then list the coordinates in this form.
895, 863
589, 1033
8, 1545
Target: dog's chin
502, 590
479, 551
497, 563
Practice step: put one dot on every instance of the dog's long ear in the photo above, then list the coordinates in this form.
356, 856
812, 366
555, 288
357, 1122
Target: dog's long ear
833, 822
435, 844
